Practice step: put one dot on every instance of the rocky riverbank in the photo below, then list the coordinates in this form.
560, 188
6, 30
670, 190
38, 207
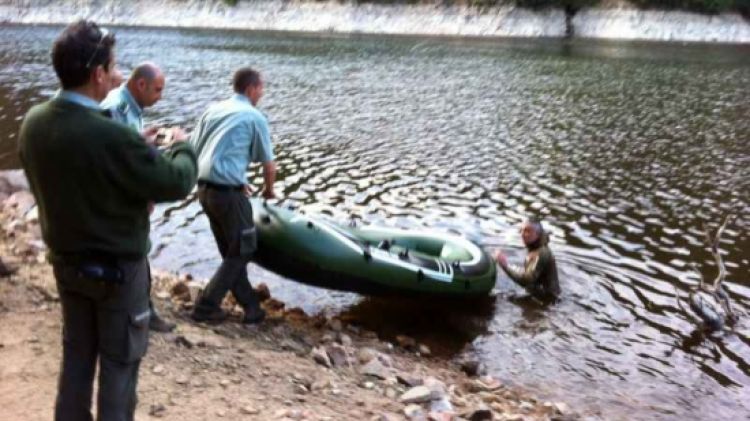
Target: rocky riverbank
615, 20
291, 367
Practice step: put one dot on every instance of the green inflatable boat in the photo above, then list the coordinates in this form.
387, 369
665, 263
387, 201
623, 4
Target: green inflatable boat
369, 260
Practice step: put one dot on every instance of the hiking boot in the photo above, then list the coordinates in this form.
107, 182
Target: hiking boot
157, 324
202, 314
253, 315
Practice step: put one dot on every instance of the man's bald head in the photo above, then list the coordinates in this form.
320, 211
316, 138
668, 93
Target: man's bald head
146, 84
146, 70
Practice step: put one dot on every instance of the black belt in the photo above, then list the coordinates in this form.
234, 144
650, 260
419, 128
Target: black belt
219, 187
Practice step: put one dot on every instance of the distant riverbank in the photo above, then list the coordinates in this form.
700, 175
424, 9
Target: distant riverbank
620, 22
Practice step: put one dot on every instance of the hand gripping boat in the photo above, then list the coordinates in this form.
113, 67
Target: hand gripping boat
369, 260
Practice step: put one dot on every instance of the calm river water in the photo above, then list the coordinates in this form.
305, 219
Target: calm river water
624, 149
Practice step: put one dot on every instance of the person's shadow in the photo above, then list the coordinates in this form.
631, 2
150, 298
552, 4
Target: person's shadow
446, 326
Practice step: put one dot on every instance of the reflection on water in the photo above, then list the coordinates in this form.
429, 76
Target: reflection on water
624, 149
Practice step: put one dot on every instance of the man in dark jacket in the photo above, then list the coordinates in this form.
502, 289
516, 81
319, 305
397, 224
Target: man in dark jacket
93, 179
539, 273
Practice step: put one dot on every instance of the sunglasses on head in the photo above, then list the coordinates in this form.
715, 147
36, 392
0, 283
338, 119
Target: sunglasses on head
104, 33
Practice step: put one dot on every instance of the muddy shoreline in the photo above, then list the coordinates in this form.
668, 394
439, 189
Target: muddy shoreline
293, 366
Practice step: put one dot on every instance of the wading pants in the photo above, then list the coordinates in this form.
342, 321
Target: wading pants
231, 219
108, 321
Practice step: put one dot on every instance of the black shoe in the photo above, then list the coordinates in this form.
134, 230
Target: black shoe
254, 315
157, 324
201, 314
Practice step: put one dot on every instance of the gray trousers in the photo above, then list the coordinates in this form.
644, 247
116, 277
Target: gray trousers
231, 219
107, 321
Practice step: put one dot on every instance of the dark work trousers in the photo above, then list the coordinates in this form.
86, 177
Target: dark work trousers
230, 215
108, 321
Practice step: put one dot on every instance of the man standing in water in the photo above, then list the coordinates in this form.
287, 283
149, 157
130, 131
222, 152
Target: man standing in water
92, 180
539, 273
228, 136
125, 104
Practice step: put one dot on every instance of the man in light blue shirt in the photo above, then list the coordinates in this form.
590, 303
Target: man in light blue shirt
228, 136
125, 105
143, 89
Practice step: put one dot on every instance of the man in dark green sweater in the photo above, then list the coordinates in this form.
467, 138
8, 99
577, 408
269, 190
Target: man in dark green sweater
539, 272
93, 179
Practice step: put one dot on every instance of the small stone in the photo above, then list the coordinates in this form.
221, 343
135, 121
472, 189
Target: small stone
337, 355
336, 325
224, 383
409, 380
176, 401
320, 356
442, 405
182, 380
416, 395
158, 369
300, 389
376, 369
249, 410
368, 334
391, 393
365, 355
440, 416
526, 406
294, 346
221, 413
424, 350
406, 342
157, 410
198, 339
436, 387
345, 340
368, 385
414, 411
263, 292
274, 304
470, 367
320, 384
387, 416
485, 384
562, 408
181, 292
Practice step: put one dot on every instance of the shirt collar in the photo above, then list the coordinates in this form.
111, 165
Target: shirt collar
241, 98
79, 99
130, 100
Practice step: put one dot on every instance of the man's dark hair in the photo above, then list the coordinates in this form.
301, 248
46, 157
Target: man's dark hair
78, 50
536, 223
245, 77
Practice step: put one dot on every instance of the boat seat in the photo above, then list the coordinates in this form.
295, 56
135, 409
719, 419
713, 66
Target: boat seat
451, 253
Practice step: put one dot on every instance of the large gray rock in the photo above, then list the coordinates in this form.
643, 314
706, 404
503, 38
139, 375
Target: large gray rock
375, 369
21, 202
414, 412
338, 355
417, 394
320, 356
12, 181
